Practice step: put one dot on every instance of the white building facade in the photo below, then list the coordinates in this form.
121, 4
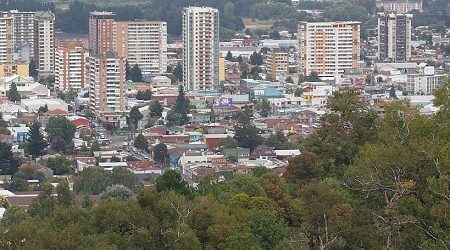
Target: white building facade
44, 42
201, 48
328, 48
394, 36
106, 79
70, 68
143, 43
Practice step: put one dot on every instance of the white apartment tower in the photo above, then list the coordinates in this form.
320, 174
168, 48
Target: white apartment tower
143, 43
200, 48
106, 79
70, 67
328, 48
6, 40
44, 42
394, 36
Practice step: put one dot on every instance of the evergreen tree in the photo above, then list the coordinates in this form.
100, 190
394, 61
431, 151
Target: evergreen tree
182, 106
134, 117
256, 58
32, 69
36, 142
229, 56
136, 74
128, 71
13, 94
178, 72
246, 133
160, 153
155, 108
8, 163
141, 143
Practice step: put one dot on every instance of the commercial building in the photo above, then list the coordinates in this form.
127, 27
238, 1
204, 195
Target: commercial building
6, 40
143, 43
106, 79
10, 69
200, 48
101, 32
44, 42
70, 65
277, 62
424, 84
328, 48
394, 36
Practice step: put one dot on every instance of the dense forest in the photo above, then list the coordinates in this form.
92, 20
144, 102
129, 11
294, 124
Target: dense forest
362, 182
74, 17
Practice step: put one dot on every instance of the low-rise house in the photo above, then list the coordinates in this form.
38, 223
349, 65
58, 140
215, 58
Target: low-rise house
263, 152
240, 153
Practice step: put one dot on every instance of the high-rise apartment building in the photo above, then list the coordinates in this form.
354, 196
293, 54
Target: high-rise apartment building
394, 36
101, 32
106, 79
143, 43
277, 62
200, 48
6, 40
70, 66
23, 28
328, 48
44, 42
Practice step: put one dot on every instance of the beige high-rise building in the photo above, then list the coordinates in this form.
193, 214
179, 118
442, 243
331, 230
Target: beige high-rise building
394, 36
143, 43
277, 62
328, 48
101, 32
106, 79
200, 48
6, 40
70, 67
44, 42
23, 28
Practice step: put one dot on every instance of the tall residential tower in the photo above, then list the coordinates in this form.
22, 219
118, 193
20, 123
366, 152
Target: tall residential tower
101, 32
143, 43
328, 48
394, 36
44, 42
200, 48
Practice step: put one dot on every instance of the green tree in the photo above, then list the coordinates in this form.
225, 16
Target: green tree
36, 142
256, 58
246, 133
92, 180
128, 71
160, 153
178, 72
264, 107
228, 142
136, 74
314, 77
156, 108
182, 106
141, 143
12, 94
60, 165
60, 127
8, 163
243, 240
267, 228
229, 56
172, 180
14, 215
144, 95
119, 192
304, 168
65, 197
134, 117
289, 79
44, 204
123, 176
32, 69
